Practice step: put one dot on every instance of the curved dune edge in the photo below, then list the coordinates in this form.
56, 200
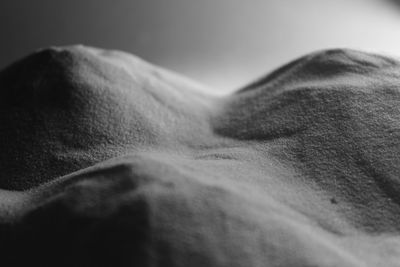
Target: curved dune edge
110, 161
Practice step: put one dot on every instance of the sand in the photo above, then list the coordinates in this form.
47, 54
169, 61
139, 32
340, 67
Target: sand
107, 160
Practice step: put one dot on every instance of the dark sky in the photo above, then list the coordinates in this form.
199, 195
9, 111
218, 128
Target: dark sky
222, 43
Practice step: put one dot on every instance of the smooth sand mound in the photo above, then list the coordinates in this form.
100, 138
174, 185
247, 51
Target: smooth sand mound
107, 160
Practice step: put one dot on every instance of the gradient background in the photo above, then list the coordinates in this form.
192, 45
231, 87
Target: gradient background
222, 43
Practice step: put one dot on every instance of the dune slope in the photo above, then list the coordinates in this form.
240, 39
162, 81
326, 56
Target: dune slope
107, 160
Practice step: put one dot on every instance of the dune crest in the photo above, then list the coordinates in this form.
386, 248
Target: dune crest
108, 160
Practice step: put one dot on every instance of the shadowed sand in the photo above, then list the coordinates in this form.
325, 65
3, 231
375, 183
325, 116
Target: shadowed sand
107, 160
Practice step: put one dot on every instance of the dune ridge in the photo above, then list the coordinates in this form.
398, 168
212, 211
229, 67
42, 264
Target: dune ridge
108, 160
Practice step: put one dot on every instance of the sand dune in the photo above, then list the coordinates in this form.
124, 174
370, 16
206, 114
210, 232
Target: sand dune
110, 161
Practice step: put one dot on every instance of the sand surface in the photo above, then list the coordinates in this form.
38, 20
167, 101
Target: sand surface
107, 160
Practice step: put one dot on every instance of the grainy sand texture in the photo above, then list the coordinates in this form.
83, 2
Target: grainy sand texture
106, 160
